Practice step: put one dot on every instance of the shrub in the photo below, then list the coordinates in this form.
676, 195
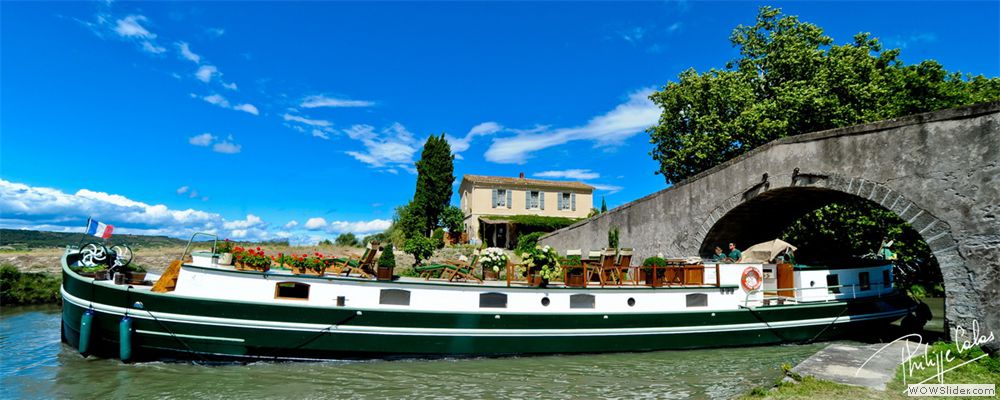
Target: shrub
493, 258
613, 238
347, 239
420, 247
18, 287
545, 260
387, 259
527, 242
438, 238
654, 262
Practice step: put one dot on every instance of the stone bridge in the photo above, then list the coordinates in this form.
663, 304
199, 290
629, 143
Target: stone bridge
939, 171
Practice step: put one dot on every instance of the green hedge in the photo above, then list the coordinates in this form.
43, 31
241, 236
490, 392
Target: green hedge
18, 287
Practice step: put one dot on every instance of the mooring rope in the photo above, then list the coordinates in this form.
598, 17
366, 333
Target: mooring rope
317, 336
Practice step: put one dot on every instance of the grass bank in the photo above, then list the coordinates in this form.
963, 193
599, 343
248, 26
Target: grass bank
18, 288
985, 370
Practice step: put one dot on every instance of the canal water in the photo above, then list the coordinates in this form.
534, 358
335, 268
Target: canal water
35, 364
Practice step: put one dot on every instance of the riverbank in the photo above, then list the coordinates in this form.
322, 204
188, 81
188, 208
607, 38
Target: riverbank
985, 370
23, 288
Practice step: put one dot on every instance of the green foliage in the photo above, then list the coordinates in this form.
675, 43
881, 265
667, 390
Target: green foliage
453, 219
381, 237
593, 213
420, 247
435, 176
225, 246
613, 236
604, 205
18, 287
535, 223
347, 239
544, 260
408, 221
133, 267
791, 79
39, 239
387, 259
917, 292
654, 262
326, 242
527, 242
438, 238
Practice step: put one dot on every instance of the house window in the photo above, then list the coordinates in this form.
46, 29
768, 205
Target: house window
564, 201
394, 297
291, 290
864, 280
532, 202
493, 300
886, 279
501, 198
581, 301
697, 300
833, 283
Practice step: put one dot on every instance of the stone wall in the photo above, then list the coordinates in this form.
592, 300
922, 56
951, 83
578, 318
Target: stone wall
940, 171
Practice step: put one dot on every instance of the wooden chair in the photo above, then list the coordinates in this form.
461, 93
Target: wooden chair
592, 264
625, 265
364, 266
609, 271
451, 270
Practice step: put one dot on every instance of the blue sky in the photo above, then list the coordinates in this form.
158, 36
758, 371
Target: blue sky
302, 120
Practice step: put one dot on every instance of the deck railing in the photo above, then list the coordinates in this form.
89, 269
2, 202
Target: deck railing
853, 287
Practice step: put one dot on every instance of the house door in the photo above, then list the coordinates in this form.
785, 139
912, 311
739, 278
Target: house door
500, 240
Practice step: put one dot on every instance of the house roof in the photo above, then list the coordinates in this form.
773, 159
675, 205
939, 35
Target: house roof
524, 182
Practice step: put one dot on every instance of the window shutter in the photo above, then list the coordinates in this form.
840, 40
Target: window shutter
509, 197
527, 200
559, 201
572, 200
494, 198
541, 199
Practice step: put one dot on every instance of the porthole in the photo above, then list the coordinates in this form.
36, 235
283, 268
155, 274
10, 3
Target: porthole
546, 301
631, 302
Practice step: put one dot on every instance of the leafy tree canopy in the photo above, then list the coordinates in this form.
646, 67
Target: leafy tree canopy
435, 176
453, 219
347, 239
791, 79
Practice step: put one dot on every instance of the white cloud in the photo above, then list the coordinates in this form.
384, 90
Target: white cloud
194, 193
315, 223
320, 134
221, 101
230, 85
186, 52
251, 221
579, 174
247, 108
215, 31
227, 146
206, 72
612, 128
611, 189
203, 139
291, 224
392, 147
323, 101
149, 47
130, 27
310, 122
182, 190
458, 145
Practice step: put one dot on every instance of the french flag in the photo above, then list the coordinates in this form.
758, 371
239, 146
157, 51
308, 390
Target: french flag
99, 229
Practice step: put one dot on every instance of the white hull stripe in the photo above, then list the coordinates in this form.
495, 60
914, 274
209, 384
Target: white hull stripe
225, 339
382, 330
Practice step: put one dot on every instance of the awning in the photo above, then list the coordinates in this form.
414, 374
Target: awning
767, 251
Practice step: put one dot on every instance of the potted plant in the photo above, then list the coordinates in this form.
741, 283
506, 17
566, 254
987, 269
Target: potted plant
135, 274
282, 261
386, 263
313, 264
541, 265
251, 259
574, 277
492, 260
648, 268
225, 252
98, 272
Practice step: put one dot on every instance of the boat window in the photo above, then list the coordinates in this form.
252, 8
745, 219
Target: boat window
493, 300
864, 280
581, 301
697, 300
396, 297
831, 281
886, 279
546, 301
291, 290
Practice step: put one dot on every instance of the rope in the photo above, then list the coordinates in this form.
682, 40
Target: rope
317, 336
828, 326
178, 339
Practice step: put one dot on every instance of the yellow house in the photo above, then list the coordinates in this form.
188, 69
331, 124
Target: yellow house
486, 200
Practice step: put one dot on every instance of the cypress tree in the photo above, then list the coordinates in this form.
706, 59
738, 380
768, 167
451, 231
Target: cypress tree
435, 176
604, 206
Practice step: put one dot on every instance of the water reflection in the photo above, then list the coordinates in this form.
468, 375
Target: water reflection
35, 364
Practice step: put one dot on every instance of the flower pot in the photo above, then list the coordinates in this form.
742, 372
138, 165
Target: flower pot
225, 259
384, 273
135, 278
241, 266
537, 281
305, 271
651, 279
490, 275
98, 275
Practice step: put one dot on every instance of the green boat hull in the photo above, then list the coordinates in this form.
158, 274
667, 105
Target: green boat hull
170, 327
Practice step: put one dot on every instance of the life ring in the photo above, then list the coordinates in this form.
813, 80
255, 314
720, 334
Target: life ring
751, 279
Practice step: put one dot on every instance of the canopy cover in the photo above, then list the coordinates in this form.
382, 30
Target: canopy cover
767, 251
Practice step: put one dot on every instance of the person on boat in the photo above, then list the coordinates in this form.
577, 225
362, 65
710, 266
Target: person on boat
734, 254
719, 255
885, 252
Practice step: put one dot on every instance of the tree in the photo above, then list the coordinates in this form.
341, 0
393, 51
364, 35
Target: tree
604, 205
791, 79
347, 239
421, 247
435, 176
325, 242
408, 221
387, 259
453, 219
